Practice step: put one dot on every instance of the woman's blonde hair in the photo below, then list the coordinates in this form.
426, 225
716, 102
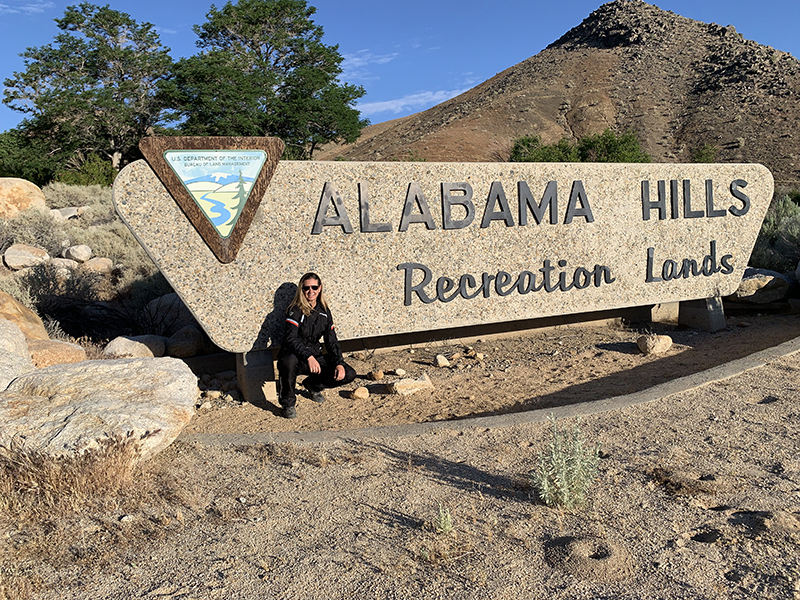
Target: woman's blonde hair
300, 300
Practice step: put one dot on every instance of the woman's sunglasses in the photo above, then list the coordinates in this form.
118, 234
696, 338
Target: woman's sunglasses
310, 287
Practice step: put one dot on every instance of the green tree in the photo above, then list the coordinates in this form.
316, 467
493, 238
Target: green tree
94, 89
602, 147
264, 70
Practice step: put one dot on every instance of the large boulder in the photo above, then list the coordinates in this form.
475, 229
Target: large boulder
45, 353
22, 256
168, 314
137, 346
22, 316
761, 286
12, 339
15, 359
66, 409
185, 343
17, 195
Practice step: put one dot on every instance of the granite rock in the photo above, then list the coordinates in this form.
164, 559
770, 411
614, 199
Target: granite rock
185, 342
79, 253
21, 256
406, 387
12, 339
441, 361
102, 266
66, 409
654, 344
168, 314
17, 195
761, 286
360, 393
27, 320
46, 353
139, 346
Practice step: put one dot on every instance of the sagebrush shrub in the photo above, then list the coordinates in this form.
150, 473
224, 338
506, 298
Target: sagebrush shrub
566, 469
34, 228
62, 195
778, 244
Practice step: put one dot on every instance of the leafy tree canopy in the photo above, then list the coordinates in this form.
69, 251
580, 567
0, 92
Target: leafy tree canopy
264, 70
603, 147
93, 90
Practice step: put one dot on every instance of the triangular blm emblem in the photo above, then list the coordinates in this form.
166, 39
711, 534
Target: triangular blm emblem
217, 181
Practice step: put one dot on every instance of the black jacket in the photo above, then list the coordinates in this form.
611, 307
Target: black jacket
304, 332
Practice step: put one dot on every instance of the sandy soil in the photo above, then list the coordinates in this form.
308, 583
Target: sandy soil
698, 494
555, 367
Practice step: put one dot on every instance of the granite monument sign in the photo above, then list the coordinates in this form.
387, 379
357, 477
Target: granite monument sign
417, 246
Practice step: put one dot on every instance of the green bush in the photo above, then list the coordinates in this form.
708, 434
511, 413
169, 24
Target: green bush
566, 470
706, 154
778, 244
91, 170
531, 149
603, 147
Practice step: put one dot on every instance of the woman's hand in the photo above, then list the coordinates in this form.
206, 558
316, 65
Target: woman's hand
339, 373
313, 365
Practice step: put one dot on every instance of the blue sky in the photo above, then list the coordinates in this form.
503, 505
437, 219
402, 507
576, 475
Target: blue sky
408, 54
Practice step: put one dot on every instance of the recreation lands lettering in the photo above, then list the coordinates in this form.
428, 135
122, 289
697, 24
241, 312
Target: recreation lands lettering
505, 284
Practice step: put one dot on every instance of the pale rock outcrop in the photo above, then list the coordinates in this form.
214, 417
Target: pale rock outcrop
17, 195
654, 344
12, 339
21, 256
22, 316
186, 342
15, 359
761, 286
103, 266
406, 387
79, 253
66, 409
138, 346
12, 366
46, 353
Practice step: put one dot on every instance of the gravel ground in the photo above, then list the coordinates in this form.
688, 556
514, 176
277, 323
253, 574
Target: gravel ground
698, 496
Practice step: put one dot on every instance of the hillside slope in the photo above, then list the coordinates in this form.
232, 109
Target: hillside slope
677, 82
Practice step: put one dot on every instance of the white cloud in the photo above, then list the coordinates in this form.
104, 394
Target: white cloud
355, 67
28, 8
418, 101
165, 31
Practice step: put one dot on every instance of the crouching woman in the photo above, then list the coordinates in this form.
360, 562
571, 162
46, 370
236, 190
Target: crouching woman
308, 320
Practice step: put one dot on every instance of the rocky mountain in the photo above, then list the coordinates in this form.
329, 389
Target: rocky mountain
678, 83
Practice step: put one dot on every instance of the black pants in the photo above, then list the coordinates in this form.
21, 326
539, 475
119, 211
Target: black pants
289, 367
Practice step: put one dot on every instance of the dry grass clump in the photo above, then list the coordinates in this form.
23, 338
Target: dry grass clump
62, 195
34, 228
35, 486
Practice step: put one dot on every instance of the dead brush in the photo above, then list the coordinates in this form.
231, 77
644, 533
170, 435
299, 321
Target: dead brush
35, 487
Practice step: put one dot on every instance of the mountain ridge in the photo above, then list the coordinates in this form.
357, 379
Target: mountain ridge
678, 83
